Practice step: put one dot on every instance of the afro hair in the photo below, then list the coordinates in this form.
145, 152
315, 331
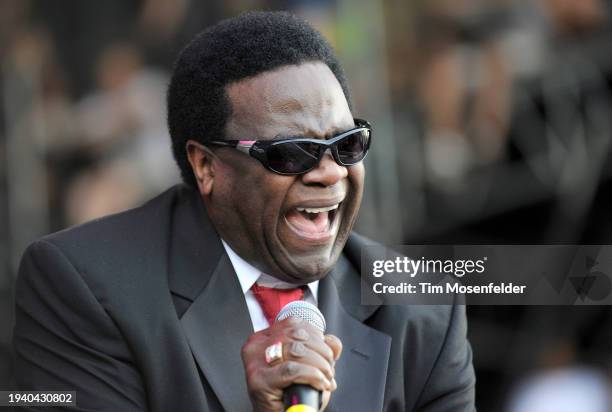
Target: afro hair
232, 50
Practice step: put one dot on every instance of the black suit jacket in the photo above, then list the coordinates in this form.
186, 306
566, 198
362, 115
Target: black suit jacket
143, 311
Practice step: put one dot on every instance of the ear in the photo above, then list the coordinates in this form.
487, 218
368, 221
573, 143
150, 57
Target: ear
201, 159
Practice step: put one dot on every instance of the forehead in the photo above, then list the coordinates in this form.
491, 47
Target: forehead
305, 98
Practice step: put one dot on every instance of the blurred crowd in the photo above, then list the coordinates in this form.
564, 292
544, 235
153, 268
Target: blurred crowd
492, 120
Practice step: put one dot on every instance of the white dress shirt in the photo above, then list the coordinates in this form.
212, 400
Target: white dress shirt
249, 275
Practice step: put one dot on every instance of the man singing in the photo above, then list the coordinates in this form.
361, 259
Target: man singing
171, 306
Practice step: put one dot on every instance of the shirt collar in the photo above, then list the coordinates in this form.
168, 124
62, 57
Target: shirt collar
248, 274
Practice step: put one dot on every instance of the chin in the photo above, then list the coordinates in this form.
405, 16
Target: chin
309, 269
304, 262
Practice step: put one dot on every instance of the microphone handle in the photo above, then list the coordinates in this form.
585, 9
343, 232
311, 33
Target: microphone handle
301, 398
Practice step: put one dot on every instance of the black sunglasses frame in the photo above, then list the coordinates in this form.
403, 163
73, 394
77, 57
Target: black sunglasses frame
258, 148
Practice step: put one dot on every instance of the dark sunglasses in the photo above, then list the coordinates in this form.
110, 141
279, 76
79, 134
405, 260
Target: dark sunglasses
296, 155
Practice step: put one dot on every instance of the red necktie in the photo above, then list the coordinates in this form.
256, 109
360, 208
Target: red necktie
272, 300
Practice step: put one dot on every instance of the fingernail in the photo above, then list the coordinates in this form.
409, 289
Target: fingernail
300, 334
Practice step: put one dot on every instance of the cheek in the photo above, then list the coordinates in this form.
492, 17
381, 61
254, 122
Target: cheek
255, 196
274, 191
234, 193
356, 178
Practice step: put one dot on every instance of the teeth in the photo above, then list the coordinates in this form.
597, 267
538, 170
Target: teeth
317, 209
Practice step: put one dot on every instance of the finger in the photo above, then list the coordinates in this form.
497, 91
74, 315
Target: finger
310, 328
335, 344
300, 352
300, 334
313, 340
291, 372
296, 328
255, 345
287, 323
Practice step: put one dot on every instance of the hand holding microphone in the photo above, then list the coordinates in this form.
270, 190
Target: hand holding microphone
291, 364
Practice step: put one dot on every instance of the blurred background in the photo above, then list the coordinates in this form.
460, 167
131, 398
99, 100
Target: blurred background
492, 119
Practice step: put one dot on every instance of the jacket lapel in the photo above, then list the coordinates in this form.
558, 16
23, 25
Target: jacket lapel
217, 324
216, 321
361, 371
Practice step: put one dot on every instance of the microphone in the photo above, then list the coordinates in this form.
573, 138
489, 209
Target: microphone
300, 397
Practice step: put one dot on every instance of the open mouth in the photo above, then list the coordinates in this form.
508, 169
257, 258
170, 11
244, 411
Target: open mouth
313, 223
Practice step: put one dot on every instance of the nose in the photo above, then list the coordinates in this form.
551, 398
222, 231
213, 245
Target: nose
327, 172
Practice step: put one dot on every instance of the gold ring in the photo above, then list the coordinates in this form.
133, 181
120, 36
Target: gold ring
274, 352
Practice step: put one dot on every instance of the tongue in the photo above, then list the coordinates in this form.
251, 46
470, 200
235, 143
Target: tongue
309, 223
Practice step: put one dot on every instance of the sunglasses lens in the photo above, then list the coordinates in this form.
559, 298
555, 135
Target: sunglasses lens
295, 157
354, 147
289, 157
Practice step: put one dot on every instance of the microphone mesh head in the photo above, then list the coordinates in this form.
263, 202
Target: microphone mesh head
303, 310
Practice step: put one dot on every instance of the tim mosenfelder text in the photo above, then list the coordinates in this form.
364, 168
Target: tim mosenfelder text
455, 267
